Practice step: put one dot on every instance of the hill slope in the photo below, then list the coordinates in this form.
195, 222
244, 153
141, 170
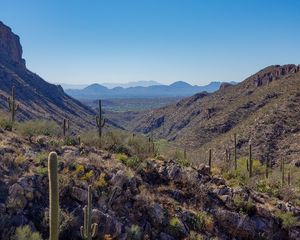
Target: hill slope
157, 200
265, 107
36, 97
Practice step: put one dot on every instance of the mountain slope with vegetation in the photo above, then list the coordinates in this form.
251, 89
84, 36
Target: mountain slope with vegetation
138, 192
36, 98
264, 108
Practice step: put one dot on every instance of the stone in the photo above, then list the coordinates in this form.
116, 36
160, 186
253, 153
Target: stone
107, 224
79, 194
156, 215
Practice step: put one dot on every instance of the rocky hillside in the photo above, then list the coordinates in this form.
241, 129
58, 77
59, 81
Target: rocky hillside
36, 97
264, 108
156, 199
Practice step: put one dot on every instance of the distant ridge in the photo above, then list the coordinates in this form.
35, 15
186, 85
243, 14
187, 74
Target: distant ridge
265, 108
176, 89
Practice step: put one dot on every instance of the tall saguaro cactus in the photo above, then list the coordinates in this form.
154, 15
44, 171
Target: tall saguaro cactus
99, 120
235, 156
53, 196
88, 230
250, 160
282, 172
66, 126
209, 160
12, 105
267, 167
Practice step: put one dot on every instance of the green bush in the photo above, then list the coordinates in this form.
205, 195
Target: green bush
38, 127
271, 188
244, 206
25, 233
5, 123
135, 232
288, 219
132, 162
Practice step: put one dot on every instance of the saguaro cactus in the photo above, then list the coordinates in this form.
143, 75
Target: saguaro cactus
289, 176
282, 172
209, 160
88, 230
250, 159
99, 120
235, 156
12, 105
267, 167
53, 196
66, 126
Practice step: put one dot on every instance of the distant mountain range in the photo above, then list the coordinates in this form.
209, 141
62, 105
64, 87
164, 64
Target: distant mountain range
111, 85
176, 89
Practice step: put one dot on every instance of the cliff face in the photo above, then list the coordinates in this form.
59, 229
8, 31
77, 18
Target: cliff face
10, 47
36, 97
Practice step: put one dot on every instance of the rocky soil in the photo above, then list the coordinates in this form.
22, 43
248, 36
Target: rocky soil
157, 200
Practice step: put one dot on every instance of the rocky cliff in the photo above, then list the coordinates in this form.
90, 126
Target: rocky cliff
36, 97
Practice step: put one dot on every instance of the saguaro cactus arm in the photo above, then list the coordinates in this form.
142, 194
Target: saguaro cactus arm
88, 230
53, 196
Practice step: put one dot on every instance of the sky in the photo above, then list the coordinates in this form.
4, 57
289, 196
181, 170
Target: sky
198, 41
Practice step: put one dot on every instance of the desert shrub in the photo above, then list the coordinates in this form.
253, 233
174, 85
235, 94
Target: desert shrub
178, 156
42, 171
195, 236
198, 221
90, 138
121, 157
25, 233
244, 206
272, 188
38, 127
288, 219
20, 159
87, 176
5, 123
135, 232
41, 158
70, 141
132, 162
101, 181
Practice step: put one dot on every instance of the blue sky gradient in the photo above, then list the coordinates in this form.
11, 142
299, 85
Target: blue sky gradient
77, 41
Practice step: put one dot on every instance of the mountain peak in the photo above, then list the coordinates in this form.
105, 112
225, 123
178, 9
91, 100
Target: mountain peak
10, 47
180, 84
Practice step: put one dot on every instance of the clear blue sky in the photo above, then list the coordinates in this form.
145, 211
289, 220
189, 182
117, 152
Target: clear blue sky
80, 41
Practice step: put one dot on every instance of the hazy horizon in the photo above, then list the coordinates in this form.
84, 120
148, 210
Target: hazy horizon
73, 42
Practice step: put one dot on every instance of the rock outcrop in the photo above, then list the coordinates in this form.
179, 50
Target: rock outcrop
10, 47
36, 97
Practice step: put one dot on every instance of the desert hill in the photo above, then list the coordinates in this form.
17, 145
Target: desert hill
264, 108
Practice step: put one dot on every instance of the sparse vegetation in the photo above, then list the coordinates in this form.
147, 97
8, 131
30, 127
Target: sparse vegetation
25, 233
37, 127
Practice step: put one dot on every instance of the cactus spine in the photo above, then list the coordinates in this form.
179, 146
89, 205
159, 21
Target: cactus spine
12, 105
209, 160
88, 230
250, 160
99, 120
53, 196
235, 156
